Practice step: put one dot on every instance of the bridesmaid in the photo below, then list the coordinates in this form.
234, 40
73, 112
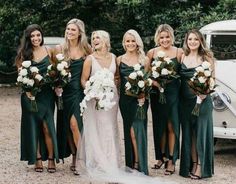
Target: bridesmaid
38, 136
165, 116
69, 122
135, 130
197, 154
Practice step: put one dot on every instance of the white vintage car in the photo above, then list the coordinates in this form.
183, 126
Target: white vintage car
221, 39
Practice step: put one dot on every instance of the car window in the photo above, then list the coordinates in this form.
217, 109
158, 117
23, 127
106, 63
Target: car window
223, 46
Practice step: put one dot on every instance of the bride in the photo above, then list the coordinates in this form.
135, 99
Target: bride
98, 154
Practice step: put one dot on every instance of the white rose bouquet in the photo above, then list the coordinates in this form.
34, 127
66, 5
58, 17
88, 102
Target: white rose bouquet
58, 75
202, 83
30, 81
163, 71
100, 87
139, 85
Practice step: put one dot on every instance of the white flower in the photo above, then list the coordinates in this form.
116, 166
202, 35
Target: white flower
155, 74
161, 54
64, 73
141, 84
133, 75
140, 73
26, 64
30, 82
19, 78
49, 67
149, 82
60, 57
23, 72
25, 80
127, 86
206, 65
60, 67
154, 68
65, 64
157, 63
202, 80
164, 71
34, 69
137, 67
207, 73
212, 83
38, 77
200, 69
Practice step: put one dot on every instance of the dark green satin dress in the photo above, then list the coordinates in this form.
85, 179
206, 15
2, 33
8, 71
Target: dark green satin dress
32, 122
201, 127
72, 96
162, 113
128, 107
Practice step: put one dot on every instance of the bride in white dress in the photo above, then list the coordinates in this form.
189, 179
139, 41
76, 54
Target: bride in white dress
98, 154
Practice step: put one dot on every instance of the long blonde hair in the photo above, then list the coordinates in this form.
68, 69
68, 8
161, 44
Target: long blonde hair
82, 39
139, 42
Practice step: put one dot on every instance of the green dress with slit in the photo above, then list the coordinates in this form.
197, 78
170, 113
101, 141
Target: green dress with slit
201, 127
162, 113
32, 122
72, 96
128, 107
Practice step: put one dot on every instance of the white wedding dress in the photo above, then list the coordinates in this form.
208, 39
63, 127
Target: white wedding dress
98, 154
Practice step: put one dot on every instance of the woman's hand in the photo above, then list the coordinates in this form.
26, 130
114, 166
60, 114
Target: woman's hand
202, 96
58, 91
156, 84
30, 96
141, 101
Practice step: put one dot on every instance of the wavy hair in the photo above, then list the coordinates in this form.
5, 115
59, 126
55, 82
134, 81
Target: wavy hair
25, 51
139, 42
202, 50
104, 36
164, 27
82, 39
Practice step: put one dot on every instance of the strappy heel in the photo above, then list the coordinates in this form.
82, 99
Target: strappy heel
163, 162
193, 170
136, 165
167, 171
51, 169
38, 168
72, 167
195, 176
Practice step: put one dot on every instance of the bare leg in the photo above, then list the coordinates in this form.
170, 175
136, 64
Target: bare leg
162, 145
135, 148
39, 164
194, 154
49, 144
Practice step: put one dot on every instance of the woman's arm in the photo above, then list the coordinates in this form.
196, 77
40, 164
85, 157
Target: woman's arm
86, 71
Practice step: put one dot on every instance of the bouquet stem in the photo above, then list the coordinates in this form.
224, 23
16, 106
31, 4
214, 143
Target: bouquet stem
162, 97
34, 107
196, 108
140, 113
60, 102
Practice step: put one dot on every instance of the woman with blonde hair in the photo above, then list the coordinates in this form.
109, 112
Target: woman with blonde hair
197, 152
135, 129
165, 116
69, 122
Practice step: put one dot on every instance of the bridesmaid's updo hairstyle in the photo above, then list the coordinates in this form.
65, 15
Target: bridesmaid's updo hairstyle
164, 28
202, 50
25, 51
104, 36
139, 43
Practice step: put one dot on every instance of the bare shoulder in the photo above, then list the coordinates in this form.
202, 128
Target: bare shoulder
180, 54
150, 53
118, 59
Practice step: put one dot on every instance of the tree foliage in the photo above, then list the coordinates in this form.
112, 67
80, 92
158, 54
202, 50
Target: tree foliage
114, 16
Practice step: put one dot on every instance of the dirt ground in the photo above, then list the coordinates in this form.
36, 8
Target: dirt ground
13, 171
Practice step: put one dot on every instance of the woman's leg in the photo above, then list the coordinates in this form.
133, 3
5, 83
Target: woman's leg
49, 144
135, 148
39, 164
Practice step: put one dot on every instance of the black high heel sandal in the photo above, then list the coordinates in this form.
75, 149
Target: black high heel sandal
51, 169
167, 171
196, 177
163, 162
193, 170
72, 167
38, 168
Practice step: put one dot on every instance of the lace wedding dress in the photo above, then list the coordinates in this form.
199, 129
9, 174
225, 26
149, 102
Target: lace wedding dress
98, 154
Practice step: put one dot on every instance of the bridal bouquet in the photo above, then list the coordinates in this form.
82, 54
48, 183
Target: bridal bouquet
30, 81
163, 71
100, 87
202, 83
139, 85
58, 75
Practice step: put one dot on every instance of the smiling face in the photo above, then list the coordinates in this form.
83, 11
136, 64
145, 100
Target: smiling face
72, 32
165, 39
36, 38
193, 41
130, 43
